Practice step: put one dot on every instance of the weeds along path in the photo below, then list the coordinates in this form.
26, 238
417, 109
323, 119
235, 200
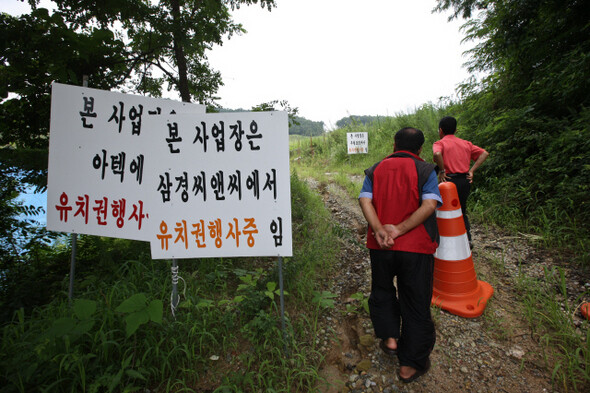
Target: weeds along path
496, 352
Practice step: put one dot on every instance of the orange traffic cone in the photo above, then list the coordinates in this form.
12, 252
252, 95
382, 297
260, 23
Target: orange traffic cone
456, 288
586, 310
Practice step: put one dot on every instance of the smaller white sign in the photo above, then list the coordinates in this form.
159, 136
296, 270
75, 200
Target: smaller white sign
357, 142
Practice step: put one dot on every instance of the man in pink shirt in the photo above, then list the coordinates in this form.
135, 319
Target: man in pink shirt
454, 155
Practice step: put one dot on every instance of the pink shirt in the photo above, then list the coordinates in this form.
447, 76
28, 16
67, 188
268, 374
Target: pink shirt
457, 153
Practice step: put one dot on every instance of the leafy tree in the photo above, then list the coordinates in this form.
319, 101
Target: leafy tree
279, 105
113, 43
21, 244
168, 36
307, 127
355, 119
531, 108
297, 125
38, 49
536, 51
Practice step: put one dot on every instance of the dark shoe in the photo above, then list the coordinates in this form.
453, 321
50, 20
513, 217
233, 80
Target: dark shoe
417, 374
386, 349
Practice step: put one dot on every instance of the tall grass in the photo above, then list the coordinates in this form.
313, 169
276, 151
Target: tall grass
551, 226
119, 334
551, 317
327, 156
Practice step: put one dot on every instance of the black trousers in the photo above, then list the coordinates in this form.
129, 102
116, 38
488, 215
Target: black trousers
403, 313
463, 189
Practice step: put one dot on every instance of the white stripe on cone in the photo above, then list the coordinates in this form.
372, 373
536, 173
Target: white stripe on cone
448, 213
453, 248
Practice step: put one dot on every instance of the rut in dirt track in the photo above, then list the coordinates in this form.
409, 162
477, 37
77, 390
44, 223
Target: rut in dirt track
492, 353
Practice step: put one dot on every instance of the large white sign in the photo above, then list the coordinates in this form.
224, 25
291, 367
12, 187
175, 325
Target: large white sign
357, 142
222, 185
100, 160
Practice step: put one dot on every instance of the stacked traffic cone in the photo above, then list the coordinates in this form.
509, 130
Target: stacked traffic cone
456, 288
586, 310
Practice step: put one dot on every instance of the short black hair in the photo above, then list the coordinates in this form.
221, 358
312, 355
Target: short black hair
448, 125
409, 139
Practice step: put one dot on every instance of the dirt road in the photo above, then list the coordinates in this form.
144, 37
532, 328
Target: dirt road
492, 353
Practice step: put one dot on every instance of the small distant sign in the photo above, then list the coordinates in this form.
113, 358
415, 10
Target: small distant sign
358, 142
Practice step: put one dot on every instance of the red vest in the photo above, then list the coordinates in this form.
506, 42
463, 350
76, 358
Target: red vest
397, 187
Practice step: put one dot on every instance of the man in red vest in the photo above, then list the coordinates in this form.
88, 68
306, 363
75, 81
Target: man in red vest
454, 155
398, 199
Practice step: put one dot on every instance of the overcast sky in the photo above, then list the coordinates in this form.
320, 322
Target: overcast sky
334, 58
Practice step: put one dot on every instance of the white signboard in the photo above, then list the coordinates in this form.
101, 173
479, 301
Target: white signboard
357, 142
100, 160
222, 186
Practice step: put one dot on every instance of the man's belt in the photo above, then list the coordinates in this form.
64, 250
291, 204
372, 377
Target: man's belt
457, 175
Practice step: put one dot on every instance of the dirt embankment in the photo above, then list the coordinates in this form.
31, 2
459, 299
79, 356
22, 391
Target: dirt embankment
492, 353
